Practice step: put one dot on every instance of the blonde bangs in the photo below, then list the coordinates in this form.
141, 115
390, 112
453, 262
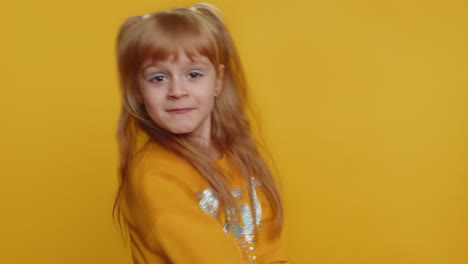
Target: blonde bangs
168, 33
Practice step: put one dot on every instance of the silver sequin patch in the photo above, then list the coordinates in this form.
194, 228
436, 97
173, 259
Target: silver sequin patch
258, 207
208, 202
238, 194
243, 232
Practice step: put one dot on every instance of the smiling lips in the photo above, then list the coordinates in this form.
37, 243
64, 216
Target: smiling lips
179, 110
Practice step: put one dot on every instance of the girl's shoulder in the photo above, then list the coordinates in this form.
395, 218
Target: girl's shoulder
153, 154
153, 160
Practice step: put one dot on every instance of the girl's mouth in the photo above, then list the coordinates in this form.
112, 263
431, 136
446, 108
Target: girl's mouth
179, 110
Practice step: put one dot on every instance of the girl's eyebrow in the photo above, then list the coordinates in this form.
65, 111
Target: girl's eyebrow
199, 62
152, 65
196, 62
187, 64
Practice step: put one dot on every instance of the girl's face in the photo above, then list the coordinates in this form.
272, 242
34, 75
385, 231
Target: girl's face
179, 93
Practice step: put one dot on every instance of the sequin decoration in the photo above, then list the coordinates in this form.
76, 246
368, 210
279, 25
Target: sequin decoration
246, 238
208, 202
258, 207
226, 229
238, 194
243, 233
256, 183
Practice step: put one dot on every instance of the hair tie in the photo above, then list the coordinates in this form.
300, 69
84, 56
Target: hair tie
145, 16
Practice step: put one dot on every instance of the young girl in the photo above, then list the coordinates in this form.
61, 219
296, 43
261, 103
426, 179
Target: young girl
197, 191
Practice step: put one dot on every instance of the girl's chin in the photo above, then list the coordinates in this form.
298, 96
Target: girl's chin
181, 131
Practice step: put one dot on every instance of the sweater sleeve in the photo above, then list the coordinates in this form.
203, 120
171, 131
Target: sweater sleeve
274, 252
168, 218
272, 249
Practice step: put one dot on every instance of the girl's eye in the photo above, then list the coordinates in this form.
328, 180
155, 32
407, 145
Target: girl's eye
157, 77
196, 74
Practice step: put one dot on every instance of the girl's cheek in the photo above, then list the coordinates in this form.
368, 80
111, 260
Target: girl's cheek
155, 93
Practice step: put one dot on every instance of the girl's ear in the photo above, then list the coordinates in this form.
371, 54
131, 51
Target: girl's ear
139, 97
219, 80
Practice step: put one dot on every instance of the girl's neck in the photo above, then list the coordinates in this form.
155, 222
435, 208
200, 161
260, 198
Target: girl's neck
214, 152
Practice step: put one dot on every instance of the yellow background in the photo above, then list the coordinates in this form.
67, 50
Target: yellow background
362, 103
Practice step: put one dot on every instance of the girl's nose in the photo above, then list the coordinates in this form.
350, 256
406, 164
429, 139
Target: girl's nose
177, 88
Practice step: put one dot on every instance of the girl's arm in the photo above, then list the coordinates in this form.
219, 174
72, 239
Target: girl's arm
169, 220
271, 250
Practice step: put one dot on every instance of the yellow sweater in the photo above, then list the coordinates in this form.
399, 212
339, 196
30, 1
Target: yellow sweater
173, 217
